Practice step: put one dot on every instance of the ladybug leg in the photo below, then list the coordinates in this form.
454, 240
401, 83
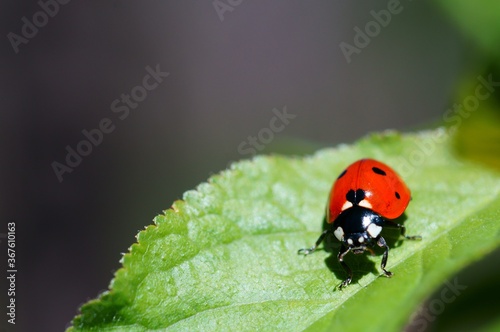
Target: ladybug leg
370, 250
402, 228
381, 243
307, 251
343, 251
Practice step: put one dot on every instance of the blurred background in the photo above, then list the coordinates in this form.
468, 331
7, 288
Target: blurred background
284, 77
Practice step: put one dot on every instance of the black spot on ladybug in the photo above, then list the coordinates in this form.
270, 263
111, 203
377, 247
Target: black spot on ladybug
397, 195
355, 196
378, 171
342, 174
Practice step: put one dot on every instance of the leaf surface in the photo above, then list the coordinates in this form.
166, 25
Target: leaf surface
225, 257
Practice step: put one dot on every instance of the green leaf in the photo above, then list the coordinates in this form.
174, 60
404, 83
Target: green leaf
478, 136
494, 327
480, 20
225, 258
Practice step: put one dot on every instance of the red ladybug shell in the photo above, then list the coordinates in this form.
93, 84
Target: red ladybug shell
385, 193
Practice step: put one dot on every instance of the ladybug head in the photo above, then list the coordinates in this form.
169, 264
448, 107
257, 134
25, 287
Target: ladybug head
358, 228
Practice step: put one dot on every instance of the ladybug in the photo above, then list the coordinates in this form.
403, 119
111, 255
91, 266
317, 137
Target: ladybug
366, 196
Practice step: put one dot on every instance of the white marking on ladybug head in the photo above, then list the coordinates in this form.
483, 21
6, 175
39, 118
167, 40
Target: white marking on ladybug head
361, 239
365, 203
346, 205
350, 242
374, 230
366, 221
339, 233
